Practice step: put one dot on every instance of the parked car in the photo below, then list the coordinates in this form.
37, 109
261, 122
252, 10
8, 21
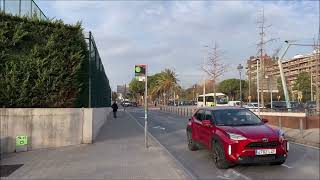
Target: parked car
234, 103
236, 135
126, 103
253, 106
134, 104
310, 105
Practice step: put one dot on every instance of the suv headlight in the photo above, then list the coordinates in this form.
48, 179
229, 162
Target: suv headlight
236, 137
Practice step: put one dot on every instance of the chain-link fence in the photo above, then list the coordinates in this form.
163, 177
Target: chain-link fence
22, 8
99, 87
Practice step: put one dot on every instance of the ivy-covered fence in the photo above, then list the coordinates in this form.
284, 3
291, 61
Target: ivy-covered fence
46, 64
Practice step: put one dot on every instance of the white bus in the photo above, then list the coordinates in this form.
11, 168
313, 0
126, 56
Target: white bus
222, 100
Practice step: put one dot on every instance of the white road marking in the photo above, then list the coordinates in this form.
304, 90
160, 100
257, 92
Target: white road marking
159, 127
289, 167
223, 177
239, 174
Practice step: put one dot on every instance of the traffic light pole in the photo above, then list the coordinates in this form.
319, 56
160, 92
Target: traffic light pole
146, 109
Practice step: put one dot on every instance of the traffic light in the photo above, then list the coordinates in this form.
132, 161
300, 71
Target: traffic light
140, 70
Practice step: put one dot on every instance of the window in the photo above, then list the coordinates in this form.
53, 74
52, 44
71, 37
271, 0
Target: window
200, 115
209, 99
208, 115
236, 117
200, 99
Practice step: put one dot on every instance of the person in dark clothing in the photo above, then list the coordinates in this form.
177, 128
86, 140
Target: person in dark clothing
114, 109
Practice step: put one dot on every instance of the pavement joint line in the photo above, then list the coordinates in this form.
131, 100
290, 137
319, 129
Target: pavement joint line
193, 177
304, 145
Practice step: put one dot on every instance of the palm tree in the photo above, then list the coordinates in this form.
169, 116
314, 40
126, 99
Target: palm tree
166, 83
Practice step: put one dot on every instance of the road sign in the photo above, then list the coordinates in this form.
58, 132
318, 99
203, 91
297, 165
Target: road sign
21, 140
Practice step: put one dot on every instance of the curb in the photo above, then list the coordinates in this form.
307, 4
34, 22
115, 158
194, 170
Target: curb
304, 142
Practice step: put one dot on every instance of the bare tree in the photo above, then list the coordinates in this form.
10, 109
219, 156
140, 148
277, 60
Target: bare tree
214, 68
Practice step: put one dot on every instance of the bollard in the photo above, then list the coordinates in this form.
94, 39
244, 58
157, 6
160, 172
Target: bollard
301, 126
279, 122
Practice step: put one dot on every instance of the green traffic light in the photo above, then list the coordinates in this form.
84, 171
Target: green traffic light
138, 69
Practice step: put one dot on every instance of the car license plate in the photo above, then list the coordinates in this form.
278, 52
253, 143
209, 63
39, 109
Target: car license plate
265, 151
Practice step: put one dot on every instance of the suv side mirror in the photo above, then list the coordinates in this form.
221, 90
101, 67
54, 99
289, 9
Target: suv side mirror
264, 120
207, 123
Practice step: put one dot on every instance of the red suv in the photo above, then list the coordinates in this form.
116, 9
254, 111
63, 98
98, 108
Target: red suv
235, 135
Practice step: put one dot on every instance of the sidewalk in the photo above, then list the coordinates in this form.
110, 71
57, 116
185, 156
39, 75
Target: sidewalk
118, 153
309, 137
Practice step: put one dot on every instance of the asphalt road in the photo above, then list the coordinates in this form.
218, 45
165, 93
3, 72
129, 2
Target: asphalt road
169, 130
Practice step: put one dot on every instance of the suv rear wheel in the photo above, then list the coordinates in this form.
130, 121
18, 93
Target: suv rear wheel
191, 144
219, 156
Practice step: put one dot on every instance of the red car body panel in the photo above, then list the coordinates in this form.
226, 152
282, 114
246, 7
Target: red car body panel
254, 134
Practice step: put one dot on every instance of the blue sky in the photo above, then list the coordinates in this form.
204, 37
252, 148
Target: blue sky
172, 34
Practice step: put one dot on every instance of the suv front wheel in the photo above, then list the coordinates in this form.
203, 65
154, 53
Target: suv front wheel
219, 156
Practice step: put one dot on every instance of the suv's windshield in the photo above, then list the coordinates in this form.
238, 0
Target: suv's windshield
235, 117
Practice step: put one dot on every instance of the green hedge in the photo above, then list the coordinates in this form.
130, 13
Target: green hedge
42, 63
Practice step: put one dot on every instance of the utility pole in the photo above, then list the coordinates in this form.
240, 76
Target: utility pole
317, 63
261, 45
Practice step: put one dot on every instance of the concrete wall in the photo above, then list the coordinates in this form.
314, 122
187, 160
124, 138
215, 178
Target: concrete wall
50, 127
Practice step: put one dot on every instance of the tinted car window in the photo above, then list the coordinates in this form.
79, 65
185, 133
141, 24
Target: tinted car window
200, 98
208, 115
200, 115
235, 117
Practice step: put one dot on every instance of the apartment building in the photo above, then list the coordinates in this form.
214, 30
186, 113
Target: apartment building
269, 70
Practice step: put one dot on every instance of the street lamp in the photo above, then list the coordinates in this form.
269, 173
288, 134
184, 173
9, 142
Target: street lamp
284, 85
240, 67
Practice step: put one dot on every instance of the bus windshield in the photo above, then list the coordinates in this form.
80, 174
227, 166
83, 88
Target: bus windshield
222, 100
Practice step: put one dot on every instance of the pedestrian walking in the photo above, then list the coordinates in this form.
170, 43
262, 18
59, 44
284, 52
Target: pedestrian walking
114, 109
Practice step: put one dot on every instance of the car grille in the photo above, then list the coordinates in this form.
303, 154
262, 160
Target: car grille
259, 159
270, 144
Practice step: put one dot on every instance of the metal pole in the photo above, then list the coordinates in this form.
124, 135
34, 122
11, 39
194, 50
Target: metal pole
146, 109
89, 69
174, 98
311, 84
258, 88
240, 90
284, 84
270, 87
31, 14
19, 7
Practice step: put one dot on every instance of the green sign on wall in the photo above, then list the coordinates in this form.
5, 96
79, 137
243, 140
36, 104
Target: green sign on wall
21, 140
